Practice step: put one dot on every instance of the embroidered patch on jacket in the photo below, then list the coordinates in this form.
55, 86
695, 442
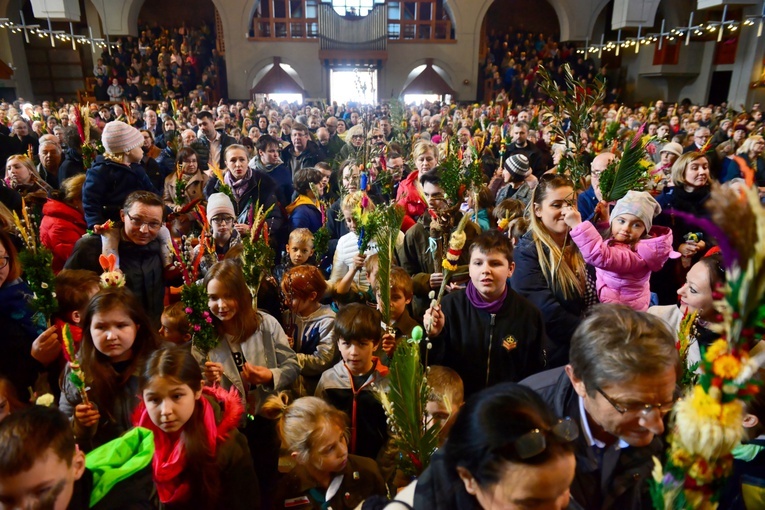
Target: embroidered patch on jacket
509, 343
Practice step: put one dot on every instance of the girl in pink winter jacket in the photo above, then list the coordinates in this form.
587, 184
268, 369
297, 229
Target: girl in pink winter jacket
630, 251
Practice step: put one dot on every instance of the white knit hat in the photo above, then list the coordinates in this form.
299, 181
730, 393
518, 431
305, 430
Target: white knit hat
219, 203
119, 137
640, 204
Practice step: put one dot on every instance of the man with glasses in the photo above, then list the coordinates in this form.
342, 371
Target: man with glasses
700, 138
619, 386
303, 152
590, 197
140, 257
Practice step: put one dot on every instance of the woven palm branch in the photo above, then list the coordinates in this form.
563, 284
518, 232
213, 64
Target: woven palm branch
389, 225
627, 173
405, 403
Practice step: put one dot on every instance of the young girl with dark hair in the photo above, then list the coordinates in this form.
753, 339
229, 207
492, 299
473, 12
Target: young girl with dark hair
117, 339
200, 459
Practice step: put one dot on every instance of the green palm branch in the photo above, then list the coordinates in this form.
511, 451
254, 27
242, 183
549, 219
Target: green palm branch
626, 173
390, 218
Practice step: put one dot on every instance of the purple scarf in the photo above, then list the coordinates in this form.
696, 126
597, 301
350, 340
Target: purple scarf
241, 186
487, 306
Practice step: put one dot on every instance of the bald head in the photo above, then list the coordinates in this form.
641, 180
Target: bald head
597, 166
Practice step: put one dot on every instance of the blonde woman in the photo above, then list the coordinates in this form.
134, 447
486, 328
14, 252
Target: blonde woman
549, 269
20, 174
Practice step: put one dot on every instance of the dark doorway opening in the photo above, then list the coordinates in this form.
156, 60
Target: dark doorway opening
718, 91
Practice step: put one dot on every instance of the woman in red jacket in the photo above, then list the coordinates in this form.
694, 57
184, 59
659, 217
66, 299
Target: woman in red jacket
63, 221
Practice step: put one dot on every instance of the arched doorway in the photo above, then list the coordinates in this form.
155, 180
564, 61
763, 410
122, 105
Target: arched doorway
512, 29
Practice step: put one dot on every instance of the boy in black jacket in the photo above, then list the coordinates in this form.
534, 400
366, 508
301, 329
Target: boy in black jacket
487, 333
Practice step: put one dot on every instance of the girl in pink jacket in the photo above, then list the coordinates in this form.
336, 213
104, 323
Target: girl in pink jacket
630, 251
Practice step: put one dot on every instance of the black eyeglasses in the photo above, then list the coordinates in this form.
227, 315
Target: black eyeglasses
4, 261
535, 441
222, 220
377, 137
139, 223
639, 407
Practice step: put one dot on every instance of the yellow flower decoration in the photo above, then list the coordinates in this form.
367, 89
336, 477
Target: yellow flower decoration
732, 414
503, 223
703, 405
701, 471
716, 350
681, 457
448, 266
726, 366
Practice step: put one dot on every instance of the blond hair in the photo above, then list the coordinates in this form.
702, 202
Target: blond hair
423, 146
562, 267
678, 167
303, 422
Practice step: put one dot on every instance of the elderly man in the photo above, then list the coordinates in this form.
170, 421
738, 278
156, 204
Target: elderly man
139, 250
619, 385
592, 196
700, 138
303, 152
335, 144
50, 160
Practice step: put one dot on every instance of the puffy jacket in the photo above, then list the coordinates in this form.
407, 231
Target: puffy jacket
315, 347
303, 213
107, 185
623, 272
409, 196
60, 229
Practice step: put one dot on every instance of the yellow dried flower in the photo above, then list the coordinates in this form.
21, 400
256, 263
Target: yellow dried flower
704, 405
716, 350
726, 366
681, 457
732, 414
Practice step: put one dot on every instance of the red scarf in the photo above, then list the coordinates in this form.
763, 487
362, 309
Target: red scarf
170, 452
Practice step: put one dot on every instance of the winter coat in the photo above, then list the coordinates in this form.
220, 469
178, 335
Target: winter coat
486, 349
72, 165
308, 158
281, 175
369, 428
238, 482
303, 213
267, 347
60, 229
118, 475
618, 479
409, 196
107, 185
19, 329
623, 271
675, 200
315, 348
561, 316
194, 189
261, 190
111, 425
361, 479
202, 148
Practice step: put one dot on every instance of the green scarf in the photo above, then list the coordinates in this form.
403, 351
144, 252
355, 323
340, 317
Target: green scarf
119, 459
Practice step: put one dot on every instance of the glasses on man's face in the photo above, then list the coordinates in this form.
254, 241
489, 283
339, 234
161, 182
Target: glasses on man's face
535, 441
222, 220
140, 223
4, 261
638, 407
358, 137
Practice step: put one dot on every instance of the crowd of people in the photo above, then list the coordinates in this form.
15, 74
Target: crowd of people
161, 63
513, 58
558, 327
